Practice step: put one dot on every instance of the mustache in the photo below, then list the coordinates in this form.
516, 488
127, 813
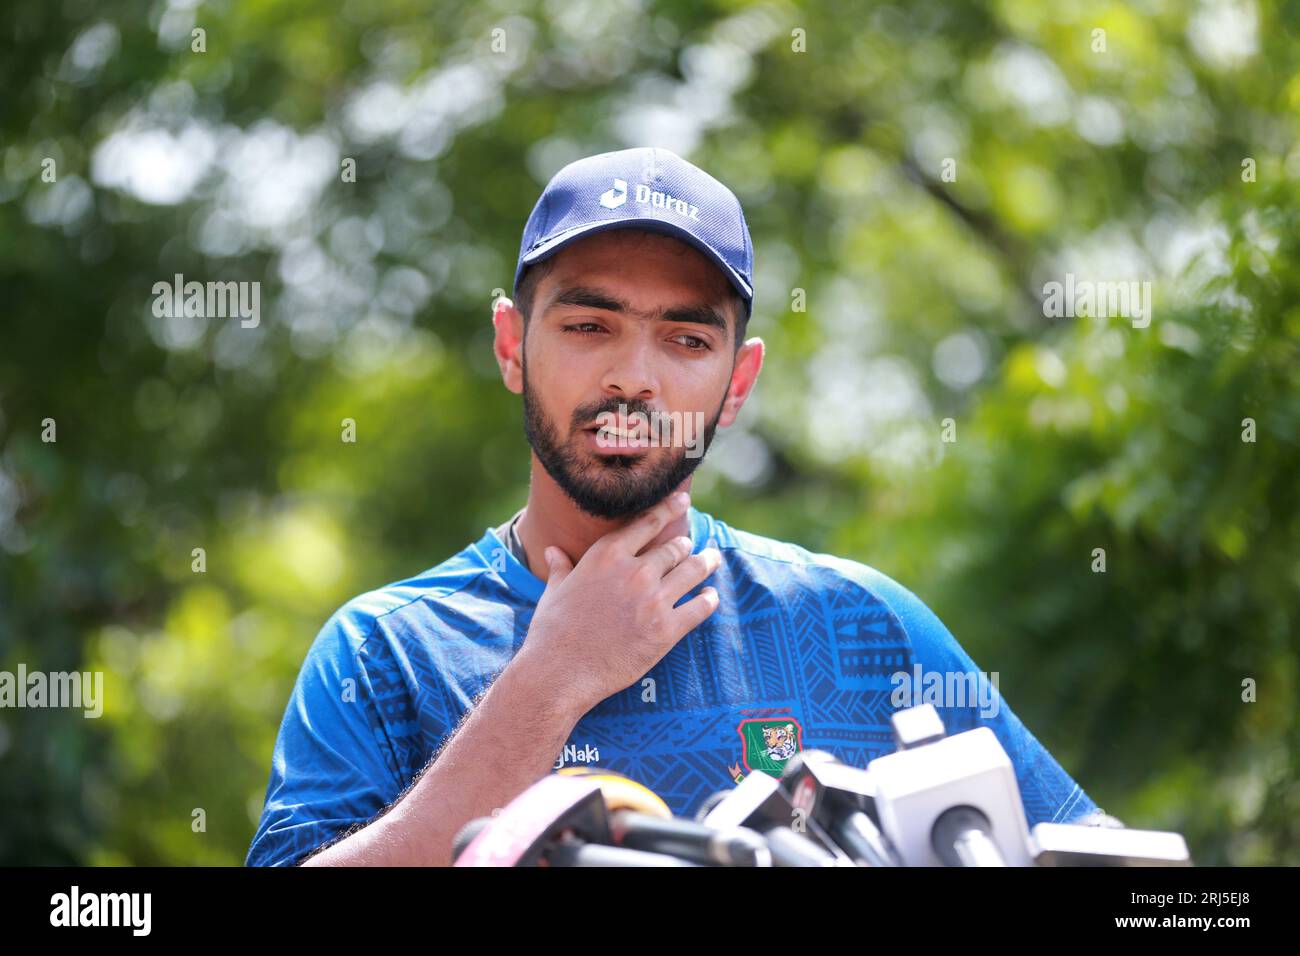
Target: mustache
584, 415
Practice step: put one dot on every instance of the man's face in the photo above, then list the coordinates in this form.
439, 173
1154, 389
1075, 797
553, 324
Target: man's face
631, 331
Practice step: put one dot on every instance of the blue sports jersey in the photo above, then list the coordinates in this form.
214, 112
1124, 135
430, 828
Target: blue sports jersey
803, 652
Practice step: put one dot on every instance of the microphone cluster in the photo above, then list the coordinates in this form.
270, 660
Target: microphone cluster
936, 801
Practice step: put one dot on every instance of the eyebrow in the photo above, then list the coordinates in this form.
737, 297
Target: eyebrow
586, 297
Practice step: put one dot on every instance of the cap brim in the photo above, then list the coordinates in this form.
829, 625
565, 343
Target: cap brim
556, 243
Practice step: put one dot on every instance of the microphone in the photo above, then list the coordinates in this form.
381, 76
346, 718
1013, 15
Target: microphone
758, 803
708, 803
640, 820
1073, 844
522, 832
559, 821
620, 792
963, 836
688, 840
466, 834
931, 775
573, 852
842, 799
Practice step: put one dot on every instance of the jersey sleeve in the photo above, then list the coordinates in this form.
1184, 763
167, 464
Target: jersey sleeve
332, 763
1049, 794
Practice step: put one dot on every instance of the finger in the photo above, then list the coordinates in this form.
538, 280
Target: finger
695, 611
691, 572
559, 564
635, 535
668, 555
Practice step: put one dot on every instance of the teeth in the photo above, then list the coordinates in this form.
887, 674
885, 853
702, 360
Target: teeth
618, 432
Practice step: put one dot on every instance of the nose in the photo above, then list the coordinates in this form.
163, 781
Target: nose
632, 373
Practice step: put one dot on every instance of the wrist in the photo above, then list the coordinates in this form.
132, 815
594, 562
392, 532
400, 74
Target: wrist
555, 689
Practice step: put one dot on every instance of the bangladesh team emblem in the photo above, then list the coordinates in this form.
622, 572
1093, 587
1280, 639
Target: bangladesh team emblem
768, 742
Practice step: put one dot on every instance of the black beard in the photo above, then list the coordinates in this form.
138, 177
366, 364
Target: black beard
619, 487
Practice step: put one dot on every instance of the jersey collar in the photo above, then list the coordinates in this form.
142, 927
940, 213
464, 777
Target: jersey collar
497, 558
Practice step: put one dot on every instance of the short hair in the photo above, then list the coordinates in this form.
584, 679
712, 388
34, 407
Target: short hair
532, 277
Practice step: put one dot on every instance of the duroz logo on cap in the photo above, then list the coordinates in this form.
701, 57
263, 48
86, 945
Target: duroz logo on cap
615, 197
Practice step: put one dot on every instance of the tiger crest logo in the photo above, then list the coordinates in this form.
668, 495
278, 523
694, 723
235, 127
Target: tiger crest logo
780, 742
768, 742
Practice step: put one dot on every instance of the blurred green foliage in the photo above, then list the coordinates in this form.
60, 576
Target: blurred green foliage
890, 299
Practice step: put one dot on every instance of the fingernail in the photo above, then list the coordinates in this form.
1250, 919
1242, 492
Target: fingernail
683, 498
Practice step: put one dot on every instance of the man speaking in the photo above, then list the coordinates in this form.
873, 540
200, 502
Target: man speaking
608, 623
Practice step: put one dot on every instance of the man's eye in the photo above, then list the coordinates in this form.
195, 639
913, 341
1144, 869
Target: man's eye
583, 328
693, 343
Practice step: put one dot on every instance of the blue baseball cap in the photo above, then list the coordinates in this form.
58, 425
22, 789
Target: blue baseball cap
642, 188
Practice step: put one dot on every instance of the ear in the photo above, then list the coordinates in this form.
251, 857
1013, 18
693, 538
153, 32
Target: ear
749, 361
508, 343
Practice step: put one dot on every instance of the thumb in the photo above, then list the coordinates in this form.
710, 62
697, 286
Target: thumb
559, 564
